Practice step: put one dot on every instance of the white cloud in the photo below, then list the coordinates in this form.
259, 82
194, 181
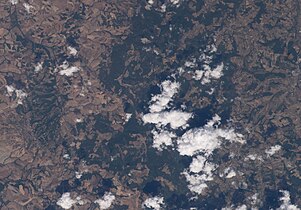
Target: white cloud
10, 89
207, 74
242, 207
255, 201
78, 175
286, 202
200, 171
174, 118
253, 157
106, 201
202, 142
72, 50
229, 173
205, 140
175, 2
191, 64
14, 2
38, 67
162, 139
67, 70
155, 203
272, 150
20, 94
66, 156
66, 202
28, 7
127, 116
160, 102
151, 2
161, 118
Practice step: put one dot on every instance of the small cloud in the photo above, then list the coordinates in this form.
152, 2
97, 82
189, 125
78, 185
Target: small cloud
191, 64
160, 102
162, 139
38, 67
253, 157
14, 2
127, 116
206, 140
286, 202
155, 203
66, 156
202, 142
207, 74
176, 119
20, 94
242, 207
106, 201
67, 70
28, 7
206, 71
200, 171
229, 173
72, 50
272, 150
66, 202
10, 89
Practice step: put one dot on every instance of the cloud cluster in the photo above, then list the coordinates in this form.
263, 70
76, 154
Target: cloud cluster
160, 102
272, 150
162, 117
162, 139
205, 140
155, 203
20, 94
200, 144
204, 70
286, 202
197, 142
198, 173
67, 70
106, 201
66, 202
174, 118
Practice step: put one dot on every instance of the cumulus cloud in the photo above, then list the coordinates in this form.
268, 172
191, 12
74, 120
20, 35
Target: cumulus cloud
67, 70
174, 118
72, 50
66, 202
205, 71
286, 202
272, 150
20, 94
242, 207
27, 7
14, 2
253, 157
160, 102
200, 143
207, 74
162, 139
38, 67
229, 173
199, 172
106, 201
206, 140
161, 117
155, 203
